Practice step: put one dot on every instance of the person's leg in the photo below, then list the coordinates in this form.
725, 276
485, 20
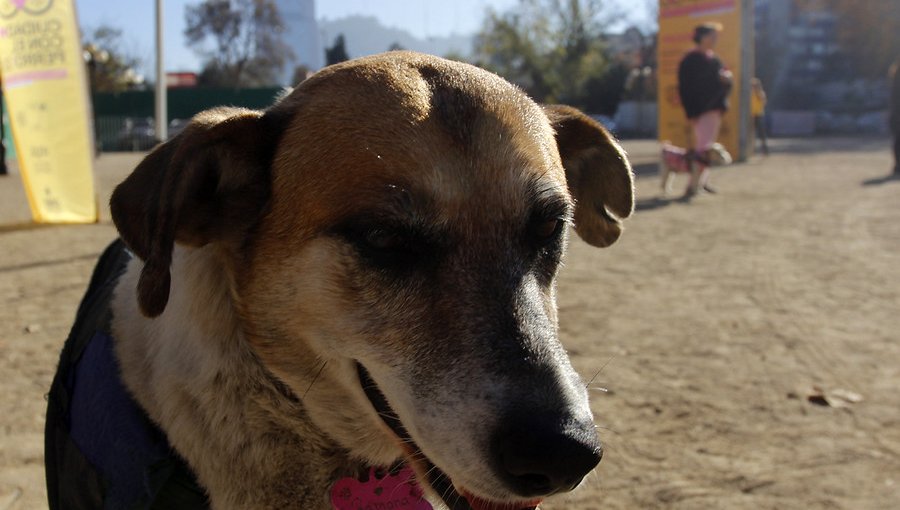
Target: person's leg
706, 132
897, 154
897, 150
761, 133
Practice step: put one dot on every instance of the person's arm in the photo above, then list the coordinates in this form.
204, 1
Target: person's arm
720, 82
725, 76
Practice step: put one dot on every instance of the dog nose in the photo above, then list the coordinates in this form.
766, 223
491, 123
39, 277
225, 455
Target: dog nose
541, 460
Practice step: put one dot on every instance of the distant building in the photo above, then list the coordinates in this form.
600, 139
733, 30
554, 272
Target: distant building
811, 85
302, 35
185, 79
796, 43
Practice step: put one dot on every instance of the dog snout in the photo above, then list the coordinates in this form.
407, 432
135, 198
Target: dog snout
539, 459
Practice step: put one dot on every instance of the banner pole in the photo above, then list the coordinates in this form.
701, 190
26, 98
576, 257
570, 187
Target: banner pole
162, 122
748, 67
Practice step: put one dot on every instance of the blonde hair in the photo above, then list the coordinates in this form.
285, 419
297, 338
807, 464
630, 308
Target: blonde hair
702, 29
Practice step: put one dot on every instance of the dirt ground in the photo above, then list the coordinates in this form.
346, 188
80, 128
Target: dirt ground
709, 325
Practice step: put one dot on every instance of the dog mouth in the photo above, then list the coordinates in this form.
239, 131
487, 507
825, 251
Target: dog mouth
456, 498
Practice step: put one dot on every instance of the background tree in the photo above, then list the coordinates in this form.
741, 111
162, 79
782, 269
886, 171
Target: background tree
300, 74
555, 50
110, 67
247, 45
337, 52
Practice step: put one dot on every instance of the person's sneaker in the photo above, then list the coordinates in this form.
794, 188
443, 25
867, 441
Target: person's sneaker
709, 189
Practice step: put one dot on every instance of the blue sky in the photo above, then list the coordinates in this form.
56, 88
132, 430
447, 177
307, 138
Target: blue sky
423, 18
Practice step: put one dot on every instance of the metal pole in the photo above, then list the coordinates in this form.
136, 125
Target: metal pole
748, 68
162, 121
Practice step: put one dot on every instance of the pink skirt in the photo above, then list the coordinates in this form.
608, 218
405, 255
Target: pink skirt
706, 130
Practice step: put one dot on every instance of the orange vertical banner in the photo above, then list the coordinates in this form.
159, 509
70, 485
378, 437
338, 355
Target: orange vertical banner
677, 19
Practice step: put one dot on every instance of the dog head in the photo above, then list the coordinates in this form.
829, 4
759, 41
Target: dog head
397, 222
718, 155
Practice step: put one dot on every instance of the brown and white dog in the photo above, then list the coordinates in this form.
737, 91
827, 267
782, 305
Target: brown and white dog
678, 160
364, 274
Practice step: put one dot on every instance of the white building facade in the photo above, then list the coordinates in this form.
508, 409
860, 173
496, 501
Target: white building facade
302, 35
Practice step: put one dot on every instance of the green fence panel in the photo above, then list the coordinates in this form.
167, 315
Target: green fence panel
183, 103
124, 121
7, 135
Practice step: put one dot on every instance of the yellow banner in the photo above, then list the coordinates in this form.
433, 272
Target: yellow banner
677, 20
44, 85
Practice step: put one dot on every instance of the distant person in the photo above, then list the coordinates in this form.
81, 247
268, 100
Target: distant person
895, 113
703, 86
758, 111
3, 169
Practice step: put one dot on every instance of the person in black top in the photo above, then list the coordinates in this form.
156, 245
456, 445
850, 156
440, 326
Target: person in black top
703, 87
895, 113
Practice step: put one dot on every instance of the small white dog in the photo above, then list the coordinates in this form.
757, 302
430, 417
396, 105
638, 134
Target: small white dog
676, 159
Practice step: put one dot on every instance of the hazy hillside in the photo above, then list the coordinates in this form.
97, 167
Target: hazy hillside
365, 35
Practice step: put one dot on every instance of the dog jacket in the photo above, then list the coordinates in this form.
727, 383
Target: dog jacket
679, 159
101, 450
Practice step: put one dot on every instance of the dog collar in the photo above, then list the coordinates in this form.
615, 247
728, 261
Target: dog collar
382, 489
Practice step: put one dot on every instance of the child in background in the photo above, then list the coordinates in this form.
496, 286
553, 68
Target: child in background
758, 111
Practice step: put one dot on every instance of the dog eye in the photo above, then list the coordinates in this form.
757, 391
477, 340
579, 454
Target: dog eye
383, 239
385, 245
546, 230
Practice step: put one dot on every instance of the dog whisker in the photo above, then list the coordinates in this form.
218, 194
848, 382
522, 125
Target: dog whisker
316, 378
447, 490
599, 371
609, 429
391, 417
593, 478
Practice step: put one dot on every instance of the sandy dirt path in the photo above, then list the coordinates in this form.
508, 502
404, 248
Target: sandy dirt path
708, 324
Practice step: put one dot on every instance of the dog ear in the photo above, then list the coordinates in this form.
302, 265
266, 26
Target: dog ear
209, 183
597, 172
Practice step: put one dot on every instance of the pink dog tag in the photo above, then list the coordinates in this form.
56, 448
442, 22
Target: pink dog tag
392, 492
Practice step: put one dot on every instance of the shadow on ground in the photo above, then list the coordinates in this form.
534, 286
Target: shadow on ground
877, 181
649, 204
646, 169
819, 145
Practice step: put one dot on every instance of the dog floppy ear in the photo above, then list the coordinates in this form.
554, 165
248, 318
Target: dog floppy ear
597, 172
209, 183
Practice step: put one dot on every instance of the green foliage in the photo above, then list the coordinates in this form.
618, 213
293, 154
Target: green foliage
337, 52
110, 69
247, 47
602, 93
555, 51
301, 73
